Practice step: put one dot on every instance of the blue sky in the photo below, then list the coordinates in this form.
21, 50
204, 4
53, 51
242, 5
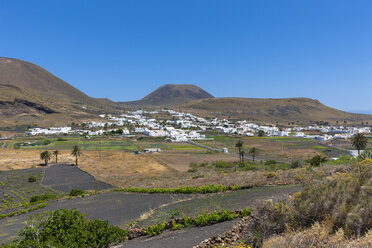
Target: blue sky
123, 49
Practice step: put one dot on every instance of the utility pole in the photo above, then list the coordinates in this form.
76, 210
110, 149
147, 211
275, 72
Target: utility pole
100, 152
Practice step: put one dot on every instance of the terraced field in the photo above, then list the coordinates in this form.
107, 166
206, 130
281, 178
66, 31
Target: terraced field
16, 189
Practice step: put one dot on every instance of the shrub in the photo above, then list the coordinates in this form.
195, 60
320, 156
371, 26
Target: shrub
177, 226
192, 170
46, 142
268, 162
223, 164
317, 160
76, 192
40, 198
174, 214
67, 228
32, 179
364, 155
155, 229
271, 174
61, 139
296, 164
345, 160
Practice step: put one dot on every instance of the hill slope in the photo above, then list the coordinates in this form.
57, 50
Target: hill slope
170, 94
30, 94
298, 110
28, 75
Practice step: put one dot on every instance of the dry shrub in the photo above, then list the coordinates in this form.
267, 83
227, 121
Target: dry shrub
342, 202
319, 235
345, 197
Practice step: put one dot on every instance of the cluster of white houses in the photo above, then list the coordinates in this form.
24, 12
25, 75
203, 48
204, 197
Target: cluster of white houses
185, 126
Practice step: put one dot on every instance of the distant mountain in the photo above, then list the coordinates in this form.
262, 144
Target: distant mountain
169, 95
30, 94
284, 111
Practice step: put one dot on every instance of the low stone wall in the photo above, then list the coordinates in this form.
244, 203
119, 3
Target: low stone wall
228, 237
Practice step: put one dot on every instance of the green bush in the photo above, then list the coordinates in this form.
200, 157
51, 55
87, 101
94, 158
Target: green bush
177, 226
155, 229
44, 197
224, 164
317, 160
32, 179
67, 228
364, 155
61, 139
268, 162
46, 142
76, 192
192, 170
345, 159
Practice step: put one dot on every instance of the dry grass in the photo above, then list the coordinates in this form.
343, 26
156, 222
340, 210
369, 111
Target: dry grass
181, 162
319, 235
118, 166
115, 164
126, 169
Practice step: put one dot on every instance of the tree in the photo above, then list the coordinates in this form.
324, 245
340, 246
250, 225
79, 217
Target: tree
76, 153
242, 156
46, 155
55, 153
260, 133
359, 141
253, 152
239, 145
67, 228
317, 160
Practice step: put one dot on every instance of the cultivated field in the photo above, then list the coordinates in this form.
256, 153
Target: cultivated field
278, 148
16, 187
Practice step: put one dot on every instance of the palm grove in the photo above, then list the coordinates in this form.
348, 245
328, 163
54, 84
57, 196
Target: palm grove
46, 155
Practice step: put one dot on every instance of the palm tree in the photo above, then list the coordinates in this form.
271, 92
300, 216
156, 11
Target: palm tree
359, 141
253, 152
239, 145
242, 156
55, 153
76, 153
46, 155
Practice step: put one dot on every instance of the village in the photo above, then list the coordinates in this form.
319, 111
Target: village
182, 127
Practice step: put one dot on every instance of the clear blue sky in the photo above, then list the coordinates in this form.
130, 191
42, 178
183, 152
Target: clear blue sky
123, 50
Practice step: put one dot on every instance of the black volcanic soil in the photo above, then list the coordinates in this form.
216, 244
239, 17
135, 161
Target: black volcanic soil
64, 177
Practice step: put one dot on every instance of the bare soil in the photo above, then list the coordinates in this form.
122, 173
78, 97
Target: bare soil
181, 162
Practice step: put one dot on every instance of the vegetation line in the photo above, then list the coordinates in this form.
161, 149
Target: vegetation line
211, 188
201, 220
22, 211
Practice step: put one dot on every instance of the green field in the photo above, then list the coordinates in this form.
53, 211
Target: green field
107, 144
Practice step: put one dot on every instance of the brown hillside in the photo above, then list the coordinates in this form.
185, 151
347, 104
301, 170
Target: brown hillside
30, 76
31, 95
298, 110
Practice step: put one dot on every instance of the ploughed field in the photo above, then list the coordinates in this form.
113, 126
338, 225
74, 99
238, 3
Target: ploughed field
119, 208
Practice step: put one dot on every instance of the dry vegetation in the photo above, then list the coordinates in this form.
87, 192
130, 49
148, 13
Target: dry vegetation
318, 235
126, 169
334, 211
